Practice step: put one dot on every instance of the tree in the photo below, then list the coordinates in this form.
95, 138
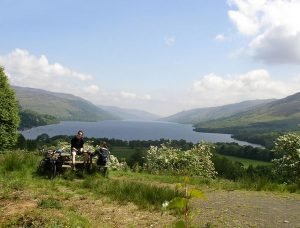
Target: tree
287, 151
9, 114
21, 142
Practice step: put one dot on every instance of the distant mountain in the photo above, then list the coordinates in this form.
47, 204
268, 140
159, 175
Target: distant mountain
130, 114
279, 111
199, 115
61, 106
260, 125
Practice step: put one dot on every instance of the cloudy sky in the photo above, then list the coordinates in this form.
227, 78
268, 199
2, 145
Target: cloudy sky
159, 56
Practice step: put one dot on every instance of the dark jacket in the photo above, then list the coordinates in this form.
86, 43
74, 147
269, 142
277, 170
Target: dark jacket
77, 143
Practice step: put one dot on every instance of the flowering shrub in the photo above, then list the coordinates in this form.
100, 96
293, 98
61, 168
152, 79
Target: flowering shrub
64, 146
114, 164
196, 161
287, 166
88, 146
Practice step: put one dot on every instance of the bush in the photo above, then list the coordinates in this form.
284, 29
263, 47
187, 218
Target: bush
287, 164
193, 162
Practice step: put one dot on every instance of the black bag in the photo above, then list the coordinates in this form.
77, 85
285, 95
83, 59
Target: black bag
103, 156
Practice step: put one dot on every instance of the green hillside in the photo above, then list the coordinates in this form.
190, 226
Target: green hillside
31, 119
195, 116
61, 106
259, 125
283, 112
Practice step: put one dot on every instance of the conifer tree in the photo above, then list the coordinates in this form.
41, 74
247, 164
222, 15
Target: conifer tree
9, 114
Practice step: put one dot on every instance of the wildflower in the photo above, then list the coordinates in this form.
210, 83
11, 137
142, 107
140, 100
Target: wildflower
165, 204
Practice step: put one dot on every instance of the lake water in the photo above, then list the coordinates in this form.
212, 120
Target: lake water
130, 130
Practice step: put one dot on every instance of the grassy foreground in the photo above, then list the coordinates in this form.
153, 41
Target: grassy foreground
87, 200
54, 202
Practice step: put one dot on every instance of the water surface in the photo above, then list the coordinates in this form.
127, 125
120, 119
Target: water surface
131, 130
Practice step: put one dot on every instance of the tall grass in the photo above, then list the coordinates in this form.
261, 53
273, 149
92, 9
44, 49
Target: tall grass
50, 203
18, 161
142, 194
257, 184
16, 169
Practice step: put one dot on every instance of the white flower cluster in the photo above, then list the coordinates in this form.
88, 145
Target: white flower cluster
64, 146
287, 165
88, 147
114, 164
196, 161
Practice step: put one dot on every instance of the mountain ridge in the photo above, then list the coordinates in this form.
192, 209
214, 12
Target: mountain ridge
65, 106
261, 125
194, 116
60, 105
287, 108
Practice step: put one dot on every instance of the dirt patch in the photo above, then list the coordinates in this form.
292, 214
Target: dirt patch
247, 209
13, 208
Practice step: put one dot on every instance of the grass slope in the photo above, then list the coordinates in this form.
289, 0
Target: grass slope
62, 106
283, 112
205, 114
261, 125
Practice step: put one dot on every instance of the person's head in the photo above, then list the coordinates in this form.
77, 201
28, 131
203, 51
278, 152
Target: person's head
104, 144
80, 134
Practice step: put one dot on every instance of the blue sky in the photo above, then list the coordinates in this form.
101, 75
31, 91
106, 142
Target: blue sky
159, 56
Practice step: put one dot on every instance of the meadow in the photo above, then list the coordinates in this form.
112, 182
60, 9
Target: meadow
246, 162
90, 200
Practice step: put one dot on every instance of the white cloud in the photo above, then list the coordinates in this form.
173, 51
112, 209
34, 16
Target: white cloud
246, 17
91, 89
131, 95
128, 95
27, 70
220, 37
28, 66
147, 97
213, 90
170, 40
277, 46
273, 26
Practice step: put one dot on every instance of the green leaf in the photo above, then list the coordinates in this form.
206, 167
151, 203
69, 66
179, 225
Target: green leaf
178, 186
180, 224
178, 203
196, 194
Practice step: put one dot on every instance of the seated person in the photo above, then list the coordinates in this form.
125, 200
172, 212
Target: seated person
76, 146
103, 157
